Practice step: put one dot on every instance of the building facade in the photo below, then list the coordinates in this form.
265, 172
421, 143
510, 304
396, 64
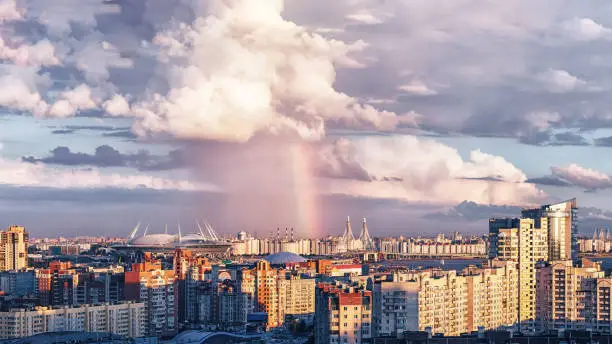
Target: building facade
13, 249
150, 284
126, 319
343, 314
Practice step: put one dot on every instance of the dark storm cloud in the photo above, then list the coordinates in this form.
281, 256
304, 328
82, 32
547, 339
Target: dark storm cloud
126, 134
549, 180
569, 139
470, 211
107, 156
603, 141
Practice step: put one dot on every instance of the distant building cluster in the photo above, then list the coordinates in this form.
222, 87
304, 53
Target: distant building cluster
440, 246
531, 282
601, 242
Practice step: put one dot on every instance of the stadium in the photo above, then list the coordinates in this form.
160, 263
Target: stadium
204, 242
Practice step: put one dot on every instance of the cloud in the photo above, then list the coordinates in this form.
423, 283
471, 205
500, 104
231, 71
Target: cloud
470, 211
24, 174
549, 180
569, 139
18, 92
364, 17
73, 101
107, 156
417, 88
586, 29
427, 171
117, 105
582, 177
241, 69
338, 160
9, 11
603, 141
560, 81
42, 53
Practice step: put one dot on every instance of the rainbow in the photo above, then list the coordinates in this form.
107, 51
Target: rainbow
305, 190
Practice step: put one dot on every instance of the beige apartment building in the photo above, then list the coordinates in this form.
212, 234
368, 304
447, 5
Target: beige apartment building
520, 242
126, 319
446, 301
573, 298
344, 314
13, 249
278, 292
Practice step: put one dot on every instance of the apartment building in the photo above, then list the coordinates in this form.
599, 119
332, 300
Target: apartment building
492, 298
573, 297
343, 314
519, 241
13, 249
278, 292
148, 283
396, 305
126, 319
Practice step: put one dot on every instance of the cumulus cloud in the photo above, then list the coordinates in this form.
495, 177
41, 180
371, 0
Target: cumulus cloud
241, 69
72, 101
560, 81
19, 173
428, 171
9, 11
338, 160
117, 105
586, 29
582, 177
42, 53
18, 91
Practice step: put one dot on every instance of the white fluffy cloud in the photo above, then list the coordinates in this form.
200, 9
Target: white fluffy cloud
9, 11
582, 177
19, 93
42, 53
560, 81
72, 101
117, 105
422, 170
418, 88
248, 70
18, 173
586, 29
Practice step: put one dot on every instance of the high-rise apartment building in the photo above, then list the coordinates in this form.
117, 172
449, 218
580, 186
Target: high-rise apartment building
343, 314
126, 319
396, 305
521, 242
560, 221
13, 249
573, 297
278, 292
491, 295
154, 286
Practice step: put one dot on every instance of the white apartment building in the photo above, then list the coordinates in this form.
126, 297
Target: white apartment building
126, 319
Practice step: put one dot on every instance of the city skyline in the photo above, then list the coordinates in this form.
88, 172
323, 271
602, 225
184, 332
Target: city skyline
114, 112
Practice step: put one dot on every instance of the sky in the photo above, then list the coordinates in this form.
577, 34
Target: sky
421, 115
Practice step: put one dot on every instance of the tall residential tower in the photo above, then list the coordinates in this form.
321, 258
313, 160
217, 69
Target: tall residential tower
13, 249
560, 221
